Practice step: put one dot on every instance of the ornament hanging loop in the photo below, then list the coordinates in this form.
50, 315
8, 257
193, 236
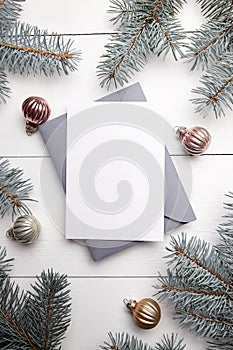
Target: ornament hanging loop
179, 130
30, 129
10, 233
130, 304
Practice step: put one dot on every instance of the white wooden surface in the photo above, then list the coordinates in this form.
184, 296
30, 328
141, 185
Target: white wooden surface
99, 288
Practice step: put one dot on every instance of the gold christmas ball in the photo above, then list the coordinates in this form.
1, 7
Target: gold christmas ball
146, 312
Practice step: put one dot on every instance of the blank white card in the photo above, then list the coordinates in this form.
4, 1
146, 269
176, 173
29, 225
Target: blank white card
115, 174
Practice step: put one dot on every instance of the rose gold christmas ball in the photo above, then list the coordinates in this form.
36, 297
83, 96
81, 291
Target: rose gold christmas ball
36, 111
195, 140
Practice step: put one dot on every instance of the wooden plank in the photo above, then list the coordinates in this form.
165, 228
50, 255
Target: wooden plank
74, 17
97, 308
68, 17
52, 250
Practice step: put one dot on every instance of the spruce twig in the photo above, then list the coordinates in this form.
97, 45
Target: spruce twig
123, 341
27, 50
9, 11
200, 284
4, 88
196, 258
170, 343
12, 320
221, 344
207, 325
14, 191
37, 319
225, 230
209, 43
127, 10
215, 93
152, 29
216, 8
50, 304
151, 26
5, 265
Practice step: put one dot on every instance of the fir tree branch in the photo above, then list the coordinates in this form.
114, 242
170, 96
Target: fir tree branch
216, 8
63, 56
5, 265
48, 310
34, 320
48, 315
207, 326
12, 302
13, 197
180, 251
14, 191
214, 40
214, 98
12, 318
195, 256
199, 287
170, 343
225, 230
135, 39
43, 53
123, 341
208, 43
153, 31
128, 10
211, 319
4, 89
201, 315
13, 324
150, 26
9, 11
189, 293
216, 90
169, 288
221, 344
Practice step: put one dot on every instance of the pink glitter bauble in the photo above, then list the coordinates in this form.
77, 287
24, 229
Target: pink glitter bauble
36, 111
195, 140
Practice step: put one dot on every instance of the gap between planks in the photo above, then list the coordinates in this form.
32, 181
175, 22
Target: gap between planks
171, 154
94, 277
101, 33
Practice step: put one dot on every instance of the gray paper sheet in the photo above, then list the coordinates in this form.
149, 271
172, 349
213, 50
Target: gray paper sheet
177, 209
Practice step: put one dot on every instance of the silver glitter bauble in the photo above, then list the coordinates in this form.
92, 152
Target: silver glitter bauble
26, 229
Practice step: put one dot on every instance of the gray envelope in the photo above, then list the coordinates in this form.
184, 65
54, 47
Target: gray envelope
177, 209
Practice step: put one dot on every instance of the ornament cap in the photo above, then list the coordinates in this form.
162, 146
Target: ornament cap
30, 129
180, 130
10, 233
130, 304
